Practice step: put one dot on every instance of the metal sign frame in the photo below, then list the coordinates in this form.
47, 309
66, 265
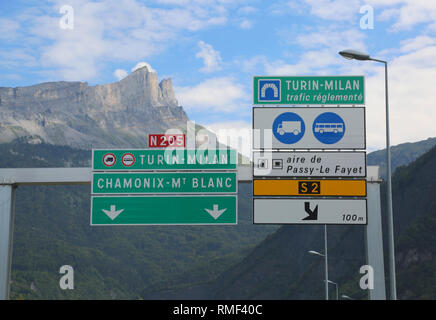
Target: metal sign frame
235, 173
310, 153
277, 77
235, 196
311, 223
361, 181
11, 178
230, 166
319, 146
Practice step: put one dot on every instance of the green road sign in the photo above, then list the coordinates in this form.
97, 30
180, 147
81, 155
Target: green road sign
163, 159
164, 182
164, 210
305, 90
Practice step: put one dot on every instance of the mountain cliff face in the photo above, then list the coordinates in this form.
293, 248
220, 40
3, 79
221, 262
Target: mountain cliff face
119, 114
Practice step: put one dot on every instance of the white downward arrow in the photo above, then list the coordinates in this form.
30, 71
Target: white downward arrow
112, 213
215, 213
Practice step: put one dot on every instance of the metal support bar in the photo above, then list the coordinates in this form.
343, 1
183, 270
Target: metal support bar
374, 238
7, 199
45, 176
326, 264
245, 174
53, 176
11, 178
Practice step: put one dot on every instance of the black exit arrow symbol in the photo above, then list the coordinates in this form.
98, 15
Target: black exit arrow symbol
312, 215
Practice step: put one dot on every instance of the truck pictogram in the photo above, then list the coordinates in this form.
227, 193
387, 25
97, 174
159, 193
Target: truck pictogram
289, 127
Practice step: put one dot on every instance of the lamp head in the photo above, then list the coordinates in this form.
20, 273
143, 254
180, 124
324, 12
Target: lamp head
315, 252
354, 54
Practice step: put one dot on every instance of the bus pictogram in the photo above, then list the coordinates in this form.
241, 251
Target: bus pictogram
329, 127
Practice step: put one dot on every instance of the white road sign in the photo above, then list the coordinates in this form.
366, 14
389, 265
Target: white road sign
309, 164
309, 128
309, 211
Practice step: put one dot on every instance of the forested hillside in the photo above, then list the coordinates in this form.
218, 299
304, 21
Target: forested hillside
281, 268
52, 229
232, 262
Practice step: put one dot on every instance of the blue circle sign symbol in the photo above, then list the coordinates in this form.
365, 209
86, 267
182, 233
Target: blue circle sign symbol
288, 128
328, 128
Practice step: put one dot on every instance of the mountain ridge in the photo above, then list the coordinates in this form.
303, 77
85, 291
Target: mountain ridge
118, 114
414, 216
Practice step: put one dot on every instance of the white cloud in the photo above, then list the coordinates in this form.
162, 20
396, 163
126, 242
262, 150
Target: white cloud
120, 74
246, 24
123, 30
411, 97
247, 10
141, 65
211, 57
319, 55
17, 58
8, 28
253, 65
388, 14
406, 13
320, 50
313, 61
415, 12
216, 95
174, 2
262, 65
332, 37
417, 43
338, 10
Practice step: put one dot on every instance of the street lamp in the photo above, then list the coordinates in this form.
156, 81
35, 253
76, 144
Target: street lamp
354, 54
337, 291
325, 262
316, 253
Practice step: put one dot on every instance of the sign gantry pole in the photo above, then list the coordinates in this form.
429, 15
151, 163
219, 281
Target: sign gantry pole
7, 201
13, 177
326, 264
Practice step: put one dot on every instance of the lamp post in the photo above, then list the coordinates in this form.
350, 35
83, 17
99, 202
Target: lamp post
325, 262
354, 54
337, 290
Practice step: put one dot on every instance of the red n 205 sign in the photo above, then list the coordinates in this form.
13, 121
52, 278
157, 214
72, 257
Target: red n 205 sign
166, 140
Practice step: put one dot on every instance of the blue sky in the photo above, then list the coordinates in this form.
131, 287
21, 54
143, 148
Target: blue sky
212, 48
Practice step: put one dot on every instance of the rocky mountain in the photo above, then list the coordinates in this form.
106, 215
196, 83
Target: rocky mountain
119, 114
